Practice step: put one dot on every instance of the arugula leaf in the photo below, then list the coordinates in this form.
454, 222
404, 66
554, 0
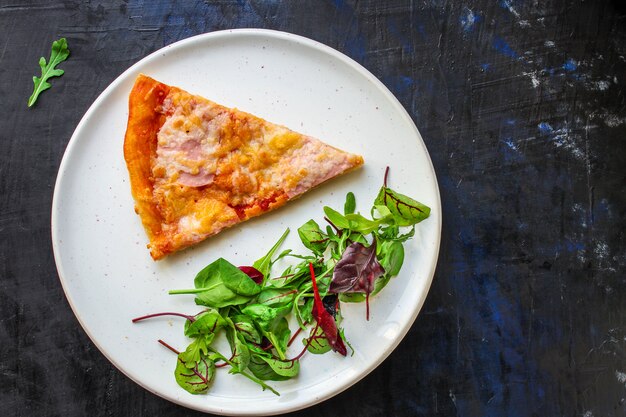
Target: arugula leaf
241, 354
393, 233
294, 275
195, 378
404, 210
286, 278
343, 336
264, 264
58, 54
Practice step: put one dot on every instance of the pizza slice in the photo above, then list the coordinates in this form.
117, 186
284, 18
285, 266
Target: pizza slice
197, 167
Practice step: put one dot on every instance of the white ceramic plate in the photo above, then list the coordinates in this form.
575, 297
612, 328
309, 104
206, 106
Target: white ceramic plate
100, 246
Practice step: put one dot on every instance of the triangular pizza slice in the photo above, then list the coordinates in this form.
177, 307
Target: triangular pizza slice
197, 167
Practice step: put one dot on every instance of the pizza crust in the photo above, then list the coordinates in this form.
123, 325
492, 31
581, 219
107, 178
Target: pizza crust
140, 147
197, 167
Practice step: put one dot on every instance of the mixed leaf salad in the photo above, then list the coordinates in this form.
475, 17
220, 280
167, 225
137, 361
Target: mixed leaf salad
350, 260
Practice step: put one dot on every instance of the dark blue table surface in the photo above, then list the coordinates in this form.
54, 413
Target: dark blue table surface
522, 107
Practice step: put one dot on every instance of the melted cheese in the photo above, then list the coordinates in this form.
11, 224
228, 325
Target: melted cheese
215, 166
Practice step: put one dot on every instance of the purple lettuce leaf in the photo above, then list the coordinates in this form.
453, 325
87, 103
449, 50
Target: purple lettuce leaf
357, 270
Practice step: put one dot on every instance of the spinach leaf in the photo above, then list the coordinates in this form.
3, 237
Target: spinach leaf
222, 284
268, 319
350, 205
361, 224
234, 278
253, 273
195, 378
262, 315
404, 210
336, 218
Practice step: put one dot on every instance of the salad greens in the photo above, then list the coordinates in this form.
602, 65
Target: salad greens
58, 54
353, 258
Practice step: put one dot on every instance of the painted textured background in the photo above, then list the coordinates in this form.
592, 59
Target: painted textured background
521, 105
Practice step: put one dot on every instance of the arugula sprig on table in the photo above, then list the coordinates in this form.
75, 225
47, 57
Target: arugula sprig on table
58, 54
353, 258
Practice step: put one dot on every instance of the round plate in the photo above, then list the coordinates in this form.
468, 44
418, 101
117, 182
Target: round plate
100, 245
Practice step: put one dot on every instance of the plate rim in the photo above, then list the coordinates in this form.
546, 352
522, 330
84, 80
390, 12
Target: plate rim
208, 36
